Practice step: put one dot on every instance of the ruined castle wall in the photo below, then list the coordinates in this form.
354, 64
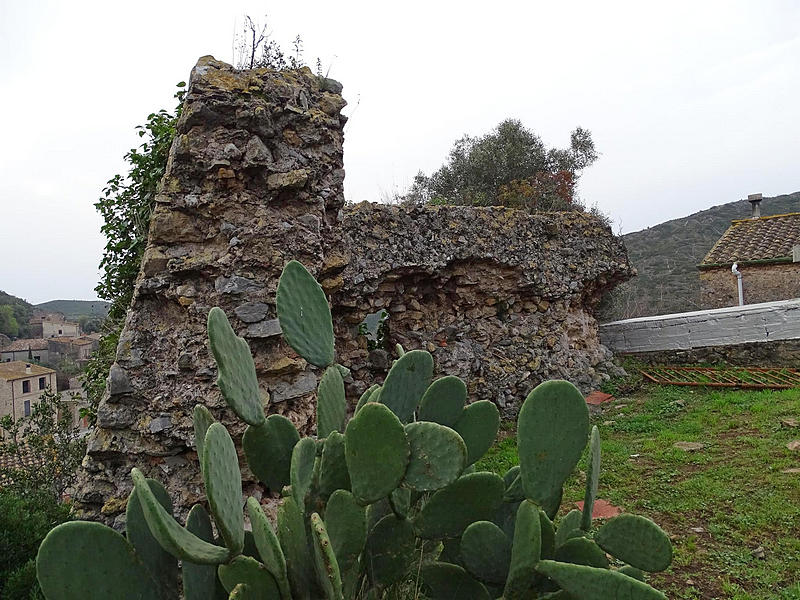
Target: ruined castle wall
501, 298
254, 177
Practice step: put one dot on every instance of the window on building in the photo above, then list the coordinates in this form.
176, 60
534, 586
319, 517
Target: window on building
60, 332
27, 408
26, 387
42, 383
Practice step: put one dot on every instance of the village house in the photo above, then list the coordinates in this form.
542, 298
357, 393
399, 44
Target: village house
49, 325
78, 349
763, 253
29, 350
21, 384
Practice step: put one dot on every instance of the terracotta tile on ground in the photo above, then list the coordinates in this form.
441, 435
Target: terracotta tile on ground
602, 509
597, 397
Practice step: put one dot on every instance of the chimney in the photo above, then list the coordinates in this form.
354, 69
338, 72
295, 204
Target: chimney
27, 369
755, 201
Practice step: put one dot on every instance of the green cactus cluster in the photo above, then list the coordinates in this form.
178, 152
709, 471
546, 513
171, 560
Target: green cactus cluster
369, 503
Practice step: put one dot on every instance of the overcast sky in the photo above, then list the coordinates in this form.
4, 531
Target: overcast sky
691, 104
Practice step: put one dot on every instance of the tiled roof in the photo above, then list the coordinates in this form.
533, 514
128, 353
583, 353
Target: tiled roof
766, 238
16, 370
10, 462
77, 341
22, 345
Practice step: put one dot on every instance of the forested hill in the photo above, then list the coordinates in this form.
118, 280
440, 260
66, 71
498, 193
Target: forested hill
72, 309
666, 257
14, 315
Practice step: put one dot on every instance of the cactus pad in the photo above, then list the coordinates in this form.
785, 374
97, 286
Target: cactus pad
400, 501
268, 449
201, 421
237, 374
406, 383
242, 592
478, 425
632, 572
376, 450
365, 397
224, 486
548, 535
513, 483
331, 403
450, 582
304, 315
172, 537
486, 552
88, 561
161, 564
552, 429
346, 522
248, 571
294, 542
389, 551
592, 479
569, 523
302, 471
443, 401
581, 551
590, 583
637, 541
269, 548
525, 551
325, 562
333, 474
470, 498
438, 455
199, 581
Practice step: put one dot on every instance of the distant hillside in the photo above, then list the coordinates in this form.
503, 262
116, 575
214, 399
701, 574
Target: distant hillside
666, 257
14, 315
72, 309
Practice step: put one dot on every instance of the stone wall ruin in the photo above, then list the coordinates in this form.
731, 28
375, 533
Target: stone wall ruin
502, 298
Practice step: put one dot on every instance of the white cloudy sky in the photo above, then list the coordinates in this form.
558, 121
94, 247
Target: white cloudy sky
691, 104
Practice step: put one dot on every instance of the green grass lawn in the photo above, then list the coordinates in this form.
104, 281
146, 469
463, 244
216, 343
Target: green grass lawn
719, 504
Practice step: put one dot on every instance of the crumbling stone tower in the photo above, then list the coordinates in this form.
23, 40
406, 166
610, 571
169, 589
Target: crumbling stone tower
502, 298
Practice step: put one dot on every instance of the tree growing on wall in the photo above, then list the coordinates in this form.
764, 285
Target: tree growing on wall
509, 166
256, 48
128, 201
126, 206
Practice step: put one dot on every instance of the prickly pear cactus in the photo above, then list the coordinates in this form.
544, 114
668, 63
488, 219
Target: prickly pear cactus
387, 497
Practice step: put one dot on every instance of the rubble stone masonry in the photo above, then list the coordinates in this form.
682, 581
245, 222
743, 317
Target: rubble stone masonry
502, 298
760, 283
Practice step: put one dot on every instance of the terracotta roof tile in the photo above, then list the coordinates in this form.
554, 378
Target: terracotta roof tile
24, 344
767, 238
16, 370
9, 462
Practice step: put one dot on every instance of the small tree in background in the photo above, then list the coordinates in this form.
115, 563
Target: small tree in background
41, 452
8, 321
509, 166
40, 456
